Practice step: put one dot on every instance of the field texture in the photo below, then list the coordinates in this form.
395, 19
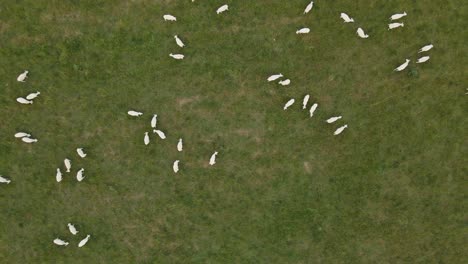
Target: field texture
390, 189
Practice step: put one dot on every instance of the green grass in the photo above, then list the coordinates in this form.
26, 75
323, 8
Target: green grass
284, 190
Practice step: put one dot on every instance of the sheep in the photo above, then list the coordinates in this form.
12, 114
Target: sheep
333, 119
33, 95
81, 153
67, 163
179, 145
175, 166
22, 134
222, 9
285, 82
423, 59
402, 66
160, 133
4, 180
339, 130
84, 241
288, 104
72, 229
213, 158
154, 120
361, 33
274, 77
309, 7
146, 139
303, 31
179, 41
177, 56
79, 175
395, 25
60, 242
398, 16
346, 18
312, 109
304, 101
21, 100
58, 176
426, 48
29, 140
22, 77
169, 18
134, 113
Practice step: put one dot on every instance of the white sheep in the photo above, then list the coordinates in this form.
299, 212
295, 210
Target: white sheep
179, 41
79, 175
160, 133
395, 25
305, 101
22, 134
426, 48
146, 139
33, 95
154, 121
84, 241
339, 130
398, 16
288, 104
285, 82
177, 56
346, 18
134, 113
169, 18
180, 145
423, 59
361, 33
4, 180
58, 176
309, 7
333, 119
67, 163
402, 66
175, 166
312, 109
21, 100
22, 77
303, 31
29, 140
60, 242
81, 153
72, 229
274, 77
213, 158
222, 9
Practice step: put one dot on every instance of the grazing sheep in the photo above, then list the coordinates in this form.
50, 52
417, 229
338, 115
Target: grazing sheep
29, 140
303, 31
179, 145
134, 113
72, 229
146, 139
395, 25
309, 7
179, 41
423, 59
33, 95
154, 120
58, 176
81, 152
333, 119
346, 18
60, 242
222, 9
398, 16
361, 33
4, 180
305, 101
79, 175
22, 134
84, 241
160, 134
67, 163
285, 82
213, 158
169, 18
312, 109
402, 66
426, 48
339, 130
175, 166
177, 56
274, 77
22, 77
21, 100
288, 104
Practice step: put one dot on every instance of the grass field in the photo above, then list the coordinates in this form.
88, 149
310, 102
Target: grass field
390, 189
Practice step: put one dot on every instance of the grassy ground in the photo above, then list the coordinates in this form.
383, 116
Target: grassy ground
284, 190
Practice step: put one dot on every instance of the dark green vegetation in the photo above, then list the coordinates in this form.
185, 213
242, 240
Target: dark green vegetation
284, 190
